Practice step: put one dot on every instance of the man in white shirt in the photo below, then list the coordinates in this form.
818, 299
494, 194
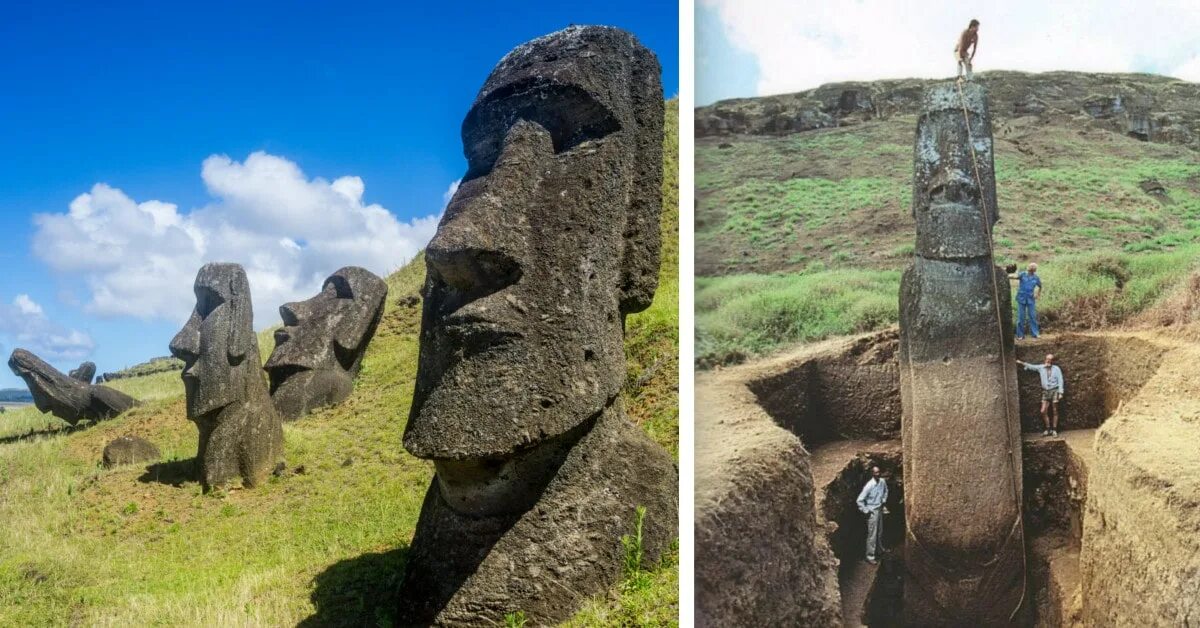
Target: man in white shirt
1052, 391
870, 502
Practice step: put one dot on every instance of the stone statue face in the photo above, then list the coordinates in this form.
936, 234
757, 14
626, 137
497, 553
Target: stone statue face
328, 331
320, 346
217, 342
947, 199
550, 240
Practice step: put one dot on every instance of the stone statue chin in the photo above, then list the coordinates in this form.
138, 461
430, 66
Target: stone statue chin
550, 241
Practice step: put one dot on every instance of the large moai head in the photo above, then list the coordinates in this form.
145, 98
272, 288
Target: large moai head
320, 347
551, 239
948, 197
217, 344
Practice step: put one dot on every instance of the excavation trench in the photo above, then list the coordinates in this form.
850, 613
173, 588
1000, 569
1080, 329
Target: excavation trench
845, 407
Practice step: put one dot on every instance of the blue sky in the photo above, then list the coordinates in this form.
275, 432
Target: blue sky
203, 123
760, 47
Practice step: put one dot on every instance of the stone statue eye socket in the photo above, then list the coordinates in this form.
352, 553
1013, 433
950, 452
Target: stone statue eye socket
340, 287
207, 300
569, 114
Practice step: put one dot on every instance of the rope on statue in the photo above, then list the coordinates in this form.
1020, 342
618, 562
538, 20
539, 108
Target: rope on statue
987, 229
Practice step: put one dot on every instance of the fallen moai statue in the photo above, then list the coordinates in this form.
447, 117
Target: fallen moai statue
65, 397
241, 435
550, 241
319, 349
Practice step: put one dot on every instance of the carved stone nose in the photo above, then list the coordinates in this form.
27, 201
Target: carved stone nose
288, 312
472, 270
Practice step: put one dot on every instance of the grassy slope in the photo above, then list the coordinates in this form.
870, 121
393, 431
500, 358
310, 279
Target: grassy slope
803, 236
131, 546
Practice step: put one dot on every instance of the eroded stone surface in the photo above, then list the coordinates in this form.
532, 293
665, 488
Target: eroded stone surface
551, 239
66, 397
320, 347
241, 434
129, 450
964, 548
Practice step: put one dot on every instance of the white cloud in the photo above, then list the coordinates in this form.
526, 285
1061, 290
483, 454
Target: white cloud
27, 305
449, 193
26, 325
1189, 70
288, 231
800, 45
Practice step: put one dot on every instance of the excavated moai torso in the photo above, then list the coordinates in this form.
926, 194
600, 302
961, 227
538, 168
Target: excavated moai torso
66, 397
551, 239
962, 441
241, 435
319, 349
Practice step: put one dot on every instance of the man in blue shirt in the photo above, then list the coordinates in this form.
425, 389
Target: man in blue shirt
1029, 289
1053, 390
870, 502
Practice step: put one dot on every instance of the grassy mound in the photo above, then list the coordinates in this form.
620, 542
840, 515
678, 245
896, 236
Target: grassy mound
324, 544
817, 226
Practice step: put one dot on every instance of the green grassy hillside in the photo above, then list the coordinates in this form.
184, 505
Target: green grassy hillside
324, 544
803, 235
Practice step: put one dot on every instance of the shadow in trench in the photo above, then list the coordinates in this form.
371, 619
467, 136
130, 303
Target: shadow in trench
359, 591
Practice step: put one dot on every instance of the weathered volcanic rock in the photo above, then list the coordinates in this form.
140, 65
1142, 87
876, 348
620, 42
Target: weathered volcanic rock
240, 431
319, 349
66, 398
551, 239
84, 373
1145, 106
961, 427
129, 450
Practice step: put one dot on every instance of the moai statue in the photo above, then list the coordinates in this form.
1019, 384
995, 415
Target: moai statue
964, 551
66, 397
550, 241
320, 348
84, 373
240, 433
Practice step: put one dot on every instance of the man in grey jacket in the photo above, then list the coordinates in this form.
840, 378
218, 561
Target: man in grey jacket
1052, 391
870, 502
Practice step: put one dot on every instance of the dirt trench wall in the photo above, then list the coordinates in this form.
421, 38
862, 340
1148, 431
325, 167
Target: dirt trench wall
853, 393
1099, 371
761, 558
1140, 559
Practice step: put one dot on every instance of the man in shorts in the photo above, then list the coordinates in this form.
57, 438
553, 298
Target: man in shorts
968, 39
1052, 391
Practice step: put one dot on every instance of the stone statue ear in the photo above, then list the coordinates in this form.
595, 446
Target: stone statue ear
242, 319
349, 333
643, 236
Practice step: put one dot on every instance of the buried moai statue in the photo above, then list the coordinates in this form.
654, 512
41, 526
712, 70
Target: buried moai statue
964, 547
550, 241
84, 373
319, 349
66, 397
241, 435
